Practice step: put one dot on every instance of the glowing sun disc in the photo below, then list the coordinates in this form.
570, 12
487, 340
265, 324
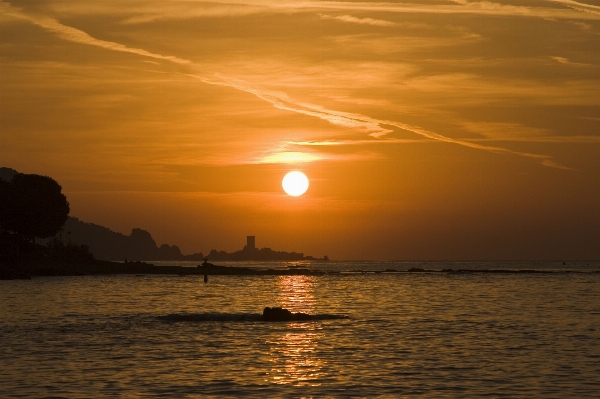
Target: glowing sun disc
295, 183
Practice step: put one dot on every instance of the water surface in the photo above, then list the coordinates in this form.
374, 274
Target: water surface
413, 334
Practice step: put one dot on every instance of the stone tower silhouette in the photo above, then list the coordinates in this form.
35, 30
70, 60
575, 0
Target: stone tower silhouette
250, 243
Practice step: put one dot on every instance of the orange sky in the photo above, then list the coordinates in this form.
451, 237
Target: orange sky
428, 129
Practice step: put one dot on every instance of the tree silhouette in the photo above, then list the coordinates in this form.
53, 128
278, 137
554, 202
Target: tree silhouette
32, 206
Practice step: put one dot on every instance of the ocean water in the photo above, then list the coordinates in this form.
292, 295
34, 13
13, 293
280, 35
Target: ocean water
431, 335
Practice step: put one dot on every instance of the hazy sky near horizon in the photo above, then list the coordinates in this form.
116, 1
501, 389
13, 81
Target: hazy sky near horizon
428, 129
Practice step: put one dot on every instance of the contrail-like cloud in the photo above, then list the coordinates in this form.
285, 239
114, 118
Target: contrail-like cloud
281, 101
376, 128
579, 6
78, 36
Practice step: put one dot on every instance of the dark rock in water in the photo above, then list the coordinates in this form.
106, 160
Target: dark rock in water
281, 314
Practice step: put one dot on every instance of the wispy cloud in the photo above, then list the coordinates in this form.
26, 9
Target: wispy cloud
489, 6
283, 102
376, 128
332, 143
505, 131
546, 139
149, 11
563, 60
385, 46
290, 157
360, 21
579, 6
78, 36
469, 89
189, 10
468, 7
297, 157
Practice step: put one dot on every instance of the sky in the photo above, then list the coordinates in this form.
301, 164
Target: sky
429, 130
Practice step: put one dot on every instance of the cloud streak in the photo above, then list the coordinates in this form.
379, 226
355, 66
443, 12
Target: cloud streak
78, 36
375, 127
360, 21
565, 61
333, 143
579, 6
149, 11
488, 7
547, 139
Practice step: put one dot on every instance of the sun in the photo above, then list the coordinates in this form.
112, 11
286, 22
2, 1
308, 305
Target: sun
295, 183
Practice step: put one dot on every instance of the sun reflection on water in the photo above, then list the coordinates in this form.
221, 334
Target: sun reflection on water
294, 353
296, 293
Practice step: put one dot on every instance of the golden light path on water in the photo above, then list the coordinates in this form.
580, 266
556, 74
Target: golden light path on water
294, 357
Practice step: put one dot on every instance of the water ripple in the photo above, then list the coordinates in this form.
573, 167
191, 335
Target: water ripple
427, 335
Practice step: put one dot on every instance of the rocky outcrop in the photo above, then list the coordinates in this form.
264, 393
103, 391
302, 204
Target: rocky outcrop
281, 314
106, 244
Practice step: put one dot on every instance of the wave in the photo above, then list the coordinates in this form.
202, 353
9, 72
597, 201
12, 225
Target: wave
236, 317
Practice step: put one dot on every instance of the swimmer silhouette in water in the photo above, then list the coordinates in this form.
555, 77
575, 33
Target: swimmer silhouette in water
206, 263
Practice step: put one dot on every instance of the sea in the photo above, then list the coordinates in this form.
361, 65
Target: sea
393, 334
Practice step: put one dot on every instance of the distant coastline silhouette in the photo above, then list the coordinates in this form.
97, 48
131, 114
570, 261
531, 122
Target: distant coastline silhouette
106, 244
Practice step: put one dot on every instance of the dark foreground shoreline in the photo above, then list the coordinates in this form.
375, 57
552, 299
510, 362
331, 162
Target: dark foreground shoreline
141, 268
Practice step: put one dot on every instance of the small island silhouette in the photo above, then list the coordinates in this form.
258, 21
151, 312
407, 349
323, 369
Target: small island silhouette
250, 252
